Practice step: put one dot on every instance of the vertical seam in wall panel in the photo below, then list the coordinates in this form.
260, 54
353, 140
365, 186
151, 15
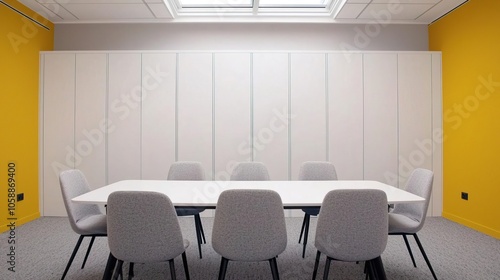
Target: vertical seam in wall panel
363, 107
251, 109
176, 121
213, 116
106, 142
397, 126
74, 113
140, 121
432, 126
289, 116
42, 135
327, 109
432, 110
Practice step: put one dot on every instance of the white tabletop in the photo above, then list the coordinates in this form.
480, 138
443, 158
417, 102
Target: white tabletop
206, 193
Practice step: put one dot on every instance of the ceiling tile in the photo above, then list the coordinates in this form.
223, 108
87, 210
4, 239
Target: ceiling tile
62, 2
406, 1
395, 11
350, 11
109, 11
41, 10
358, 1
160, 10
60, 11
439, 10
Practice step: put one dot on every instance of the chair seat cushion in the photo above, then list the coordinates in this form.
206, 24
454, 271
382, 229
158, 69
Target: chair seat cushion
311, 211
93, 224
189, 211
402, 224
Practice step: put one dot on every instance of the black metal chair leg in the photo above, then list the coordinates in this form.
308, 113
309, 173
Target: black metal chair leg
371, 270
198, 234
306, 233
409, 250
185, 264
172, 269
78, 243
274, 269
201, 229
223, 268
327, 268
425, 256
110, 265
316, 263
131, 271
378, 267
118, 270
302, 228
88, 251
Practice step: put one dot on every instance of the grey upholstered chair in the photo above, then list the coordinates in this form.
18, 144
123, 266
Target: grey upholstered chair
313, 171
193, 171
352, 226
250, 171
249, 225
143, 228
87, 220
408, 218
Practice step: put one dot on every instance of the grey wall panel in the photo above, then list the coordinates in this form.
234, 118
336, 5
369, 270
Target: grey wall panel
158, 114
90, 116
345, 114
195, 109
270, 112
124, 115
232, 111
239, 36
362, 111
58, 134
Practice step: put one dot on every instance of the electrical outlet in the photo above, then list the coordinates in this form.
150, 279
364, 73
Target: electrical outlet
20, 196
465, 196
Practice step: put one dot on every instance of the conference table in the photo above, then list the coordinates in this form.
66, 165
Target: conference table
294, 195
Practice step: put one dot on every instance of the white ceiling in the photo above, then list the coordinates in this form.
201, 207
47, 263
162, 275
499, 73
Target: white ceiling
347, 11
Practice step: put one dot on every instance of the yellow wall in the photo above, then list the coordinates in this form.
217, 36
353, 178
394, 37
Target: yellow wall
469, 39
20, 43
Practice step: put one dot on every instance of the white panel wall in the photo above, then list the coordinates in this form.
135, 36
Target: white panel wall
232, 112
90, 116
58, 133
380, 117
158, 114
345, 100
308, 110
270, 112
436, 204
415, 113
194, 105
124, 112
129, 115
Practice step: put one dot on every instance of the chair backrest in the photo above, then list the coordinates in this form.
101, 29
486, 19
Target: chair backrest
249, 225
250, 171
143, 227
317, 171
186, 170
353, 224
419, 183
73, 183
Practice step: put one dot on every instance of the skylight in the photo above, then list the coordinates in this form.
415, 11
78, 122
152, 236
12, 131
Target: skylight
257, 7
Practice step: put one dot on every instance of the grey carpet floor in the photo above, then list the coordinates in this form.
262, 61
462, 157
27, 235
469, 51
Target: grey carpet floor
43, 248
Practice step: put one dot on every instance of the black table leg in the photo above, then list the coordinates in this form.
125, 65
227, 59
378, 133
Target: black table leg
110, 267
